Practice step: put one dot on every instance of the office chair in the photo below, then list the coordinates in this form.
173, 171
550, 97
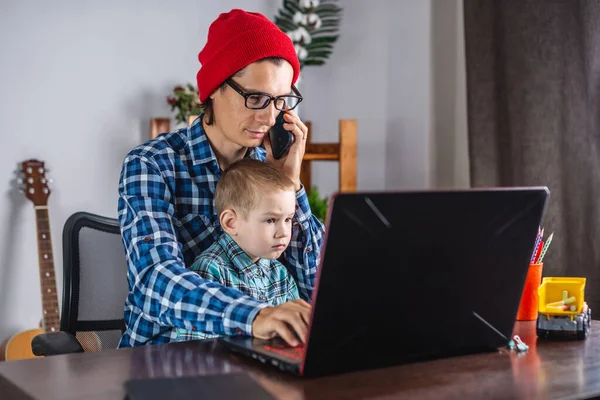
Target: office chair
94, 288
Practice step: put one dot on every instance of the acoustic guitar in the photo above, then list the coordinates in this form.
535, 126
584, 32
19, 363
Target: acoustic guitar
35, 186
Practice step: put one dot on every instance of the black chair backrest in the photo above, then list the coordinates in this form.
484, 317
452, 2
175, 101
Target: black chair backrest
94, 281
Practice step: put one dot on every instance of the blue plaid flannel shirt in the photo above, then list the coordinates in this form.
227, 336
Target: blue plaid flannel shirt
167, 216
225, 262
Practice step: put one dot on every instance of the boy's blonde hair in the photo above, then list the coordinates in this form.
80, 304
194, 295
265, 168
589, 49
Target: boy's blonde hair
243, 183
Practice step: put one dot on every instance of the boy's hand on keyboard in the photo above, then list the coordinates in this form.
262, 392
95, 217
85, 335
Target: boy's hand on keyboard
288, 320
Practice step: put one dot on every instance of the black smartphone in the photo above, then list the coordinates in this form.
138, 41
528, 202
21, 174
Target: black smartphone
281, 139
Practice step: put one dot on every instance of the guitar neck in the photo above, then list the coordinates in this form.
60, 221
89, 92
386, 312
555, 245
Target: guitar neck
50, 316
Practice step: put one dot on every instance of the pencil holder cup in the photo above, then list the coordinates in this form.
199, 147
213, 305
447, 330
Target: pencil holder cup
528, 307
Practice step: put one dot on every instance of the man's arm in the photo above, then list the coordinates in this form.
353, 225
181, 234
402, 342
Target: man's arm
282, 320
159, 283
304, 252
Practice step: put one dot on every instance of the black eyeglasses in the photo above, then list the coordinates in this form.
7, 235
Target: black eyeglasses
260, 100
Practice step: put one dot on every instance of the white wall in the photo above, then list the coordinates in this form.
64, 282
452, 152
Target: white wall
398, 68
80, 81
352, 85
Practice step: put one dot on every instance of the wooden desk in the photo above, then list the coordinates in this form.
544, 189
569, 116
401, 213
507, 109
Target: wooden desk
549, 370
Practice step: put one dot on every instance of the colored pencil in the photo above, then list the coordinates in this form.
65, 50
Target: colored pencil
538, 238
545, 249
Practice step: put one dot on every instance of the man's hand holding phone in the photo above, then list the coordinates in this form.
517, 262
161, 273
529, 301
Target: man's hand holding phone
289, 151
280, 138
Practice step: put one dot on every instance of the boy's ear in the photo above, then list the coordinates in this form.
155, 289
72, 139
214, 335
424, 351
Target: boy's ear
228, 220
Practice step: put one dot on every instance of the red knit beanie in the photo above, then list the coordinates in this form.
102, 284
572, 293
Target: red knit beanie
237, 39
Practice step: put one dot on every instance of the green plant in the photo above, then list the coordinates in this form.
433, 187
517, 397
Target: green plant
313, 26
318, 205
186, 101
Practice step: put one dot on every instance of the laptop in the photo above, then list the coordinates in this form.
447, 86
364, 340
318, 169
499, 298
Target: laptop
411, 276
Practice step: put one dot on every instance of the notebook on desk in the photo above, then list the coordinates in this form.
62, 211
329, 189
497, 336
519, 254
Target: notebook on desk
209, 387
411, 276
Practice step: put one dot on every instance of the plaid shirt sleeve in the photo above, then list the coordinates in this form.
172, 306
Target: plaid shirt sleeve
304, 252
209, 270
168, 293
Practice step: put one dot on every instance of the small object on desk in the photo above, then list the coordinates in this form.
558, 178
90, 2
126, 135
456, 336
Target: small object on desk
569, 317
206, 387
563, 302
528, 306
517, 344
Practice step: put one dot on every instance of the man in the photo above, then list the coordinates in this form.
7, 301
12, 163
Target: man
166, 193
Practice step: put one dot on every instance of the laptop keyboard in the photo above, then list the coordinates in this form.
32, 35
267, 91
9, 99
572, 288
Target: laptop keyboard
285, 349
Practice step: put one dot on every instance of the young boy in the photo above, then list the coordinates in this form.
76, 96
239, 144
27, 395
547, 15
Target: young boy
255, 203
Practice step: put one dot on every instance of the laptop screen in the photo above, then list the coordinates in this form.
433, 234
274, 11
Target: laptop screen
414, 275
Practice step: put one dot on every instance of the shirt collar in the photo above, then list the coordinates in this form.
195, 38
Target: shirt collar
201, 151
238, 257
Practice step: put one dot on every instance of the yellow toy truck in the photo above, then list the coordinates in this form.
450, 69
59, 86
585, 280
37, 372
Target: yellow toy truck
562, 311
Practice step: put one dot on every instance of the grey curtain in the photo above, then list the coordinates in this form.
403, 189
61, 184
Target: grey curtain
533, 92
